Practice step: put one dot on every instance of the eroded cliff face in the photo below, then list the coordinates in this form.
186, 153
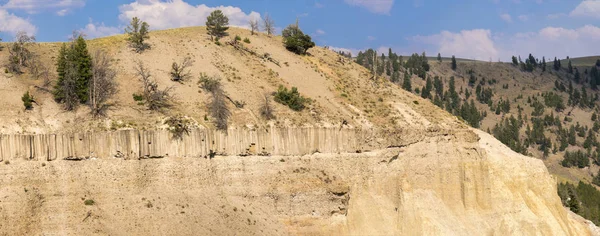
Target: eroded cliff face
442, 184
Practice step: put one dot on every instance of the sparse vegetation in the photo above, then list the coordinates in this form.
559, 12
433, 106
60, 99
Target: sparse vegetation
19, 53
290, 98
180, 72
179, 126
218, 104
266, 110
155, 98
27, 101
89, 202
137, 31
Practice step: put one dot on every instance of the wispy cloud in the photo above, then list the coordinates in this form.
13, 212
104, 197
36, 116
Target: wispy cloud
35, 6
587, 8
375, 6
506, 17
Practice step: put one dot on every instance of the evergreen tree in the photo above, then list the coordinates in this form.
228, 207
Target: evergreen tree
406, 84
556, 64
544, 64
570, 67
453, 62
138, 33
426, 92
74, 67
217, 24
577, 77
515, 62
296, 41
439, 57
83, 60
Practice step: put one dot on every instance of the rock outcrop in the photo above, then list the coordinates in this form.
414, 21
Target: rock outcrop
438, 185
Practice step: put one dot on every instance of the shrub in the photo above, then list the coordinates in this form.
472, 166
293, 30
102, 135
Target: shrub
179, 72
138, 97
290, 98
156, 99
89, 202
295, 40
179, 126
246, 40
27, 101
238, 38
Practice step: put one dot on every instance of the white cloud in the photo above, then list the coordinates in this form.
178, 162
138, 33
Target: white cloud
34, 6
555, 41
12, 24
177, 13
523, 18
97, 30
481, 44
506, 17
320, 32
477, 44
588, 8
375, 6
62, 12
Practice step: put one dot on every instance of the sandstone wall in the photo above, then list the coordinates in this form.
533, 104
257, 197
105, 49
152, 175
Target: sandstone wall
133, 144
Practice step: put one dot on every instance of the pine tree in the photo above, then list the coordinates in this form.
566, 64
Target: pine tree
406, 84
426, 92
138, 33
217, 24
515, 62
577, 77
453, 62
74, 67
83, 60
543, 64
439, 57
570, 67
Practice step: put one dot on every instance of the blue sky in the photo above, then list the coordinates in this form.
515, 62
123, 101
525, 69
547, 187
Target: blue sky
479, 29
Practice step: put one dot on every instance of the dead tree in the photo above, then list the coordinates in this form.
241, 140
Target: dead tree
218, 106
268, 25
155, 98
266, 110
180, 72
103, 85
19, 54
253, 26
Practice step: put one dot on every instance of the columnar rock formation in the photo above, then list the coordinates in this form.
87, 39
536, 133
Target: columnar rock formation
133, 144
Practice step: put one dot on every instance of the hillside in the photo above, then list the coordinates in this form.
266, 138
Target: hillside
364, 157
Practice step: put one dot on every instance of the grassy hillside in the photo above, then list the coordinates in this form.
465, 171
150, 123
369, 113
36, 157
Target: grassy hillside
338, 91
581, 61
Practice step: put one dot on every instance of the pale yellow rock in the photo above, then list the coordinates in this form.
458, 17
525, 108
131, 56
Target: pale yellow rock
441, 185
